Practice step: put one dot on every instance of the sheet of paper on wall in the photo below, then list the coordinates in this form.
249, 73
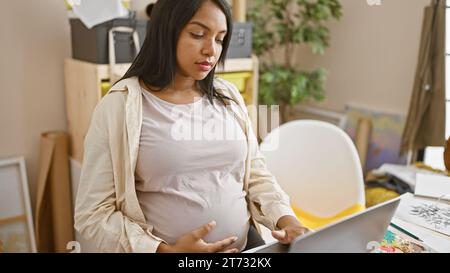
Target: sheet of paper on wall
436, 186
94, 12
426, 213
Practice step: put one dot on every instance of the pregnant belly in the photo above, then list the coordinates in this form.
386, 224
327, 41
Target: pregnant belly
172, 215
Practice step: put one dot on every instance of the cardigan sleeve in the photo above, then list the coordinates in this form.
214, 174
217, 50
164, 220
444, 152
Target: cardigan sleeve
97, 217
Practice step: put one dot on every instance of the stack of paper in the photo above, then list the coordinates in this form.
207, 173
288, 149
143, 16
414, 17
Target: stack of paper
427, 219
94, 12
405, 173
429, 214
436, 186
437, 241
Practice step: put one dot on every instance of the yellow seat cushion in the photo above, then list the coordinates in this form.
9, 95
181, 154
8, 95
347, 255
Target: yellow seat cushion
313, 222
379, 195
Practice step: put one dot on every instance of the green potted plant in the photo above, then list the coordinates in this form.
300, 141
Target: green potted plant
285, 24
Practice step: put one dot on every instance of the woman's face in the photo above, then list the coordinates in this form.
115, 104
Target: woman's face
200, 42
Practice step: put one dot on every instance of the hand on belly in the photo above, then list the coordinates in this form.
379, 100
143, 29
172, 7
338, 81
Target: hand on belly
193, 242
232, 219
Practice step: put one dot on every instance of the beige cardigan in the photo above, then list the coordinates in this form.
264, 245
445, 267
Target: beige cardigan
107, 210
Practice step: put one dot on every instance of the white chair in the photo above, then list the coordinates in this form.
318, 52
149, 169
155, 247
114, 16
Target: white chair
317, 165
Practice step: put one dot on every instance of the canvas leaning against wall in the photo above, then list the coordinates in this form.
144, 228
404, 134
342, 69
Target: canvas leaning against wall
385, 139
16, 221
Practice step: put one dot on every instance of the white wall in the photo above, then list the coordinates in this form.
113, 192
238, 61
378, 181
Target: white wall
372, 55
35, 40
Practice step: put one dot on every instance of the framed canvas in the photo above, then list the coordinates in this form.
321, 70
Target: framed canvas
16, 221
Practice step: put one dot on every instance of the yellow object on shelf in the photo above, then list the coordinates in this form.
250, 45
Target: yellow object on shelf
237, 78
105, 86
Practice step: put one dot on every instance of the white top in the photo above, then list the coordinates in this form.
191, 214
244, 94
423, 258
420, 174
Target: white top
190, 169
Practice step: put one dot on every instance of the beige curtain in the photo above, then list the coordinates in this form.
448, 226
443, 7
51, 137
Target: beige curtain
425, 124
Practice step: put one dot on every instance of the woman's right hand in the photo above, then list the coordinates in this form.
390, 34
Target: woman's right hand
193, 242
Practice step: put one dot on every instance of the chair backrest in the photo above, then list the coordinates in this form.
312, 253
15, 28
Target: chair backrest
317, 165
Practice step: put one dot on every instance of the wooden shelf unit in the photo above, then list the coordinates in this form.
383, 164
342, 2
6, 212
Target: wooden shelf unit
83, 88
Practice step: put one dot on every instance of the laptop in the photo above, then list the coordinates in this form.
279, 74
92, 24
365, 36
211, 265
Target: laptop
358, 233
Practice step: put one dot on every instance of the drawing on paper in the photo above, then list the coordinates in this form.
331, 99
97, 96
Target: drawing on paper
433, 215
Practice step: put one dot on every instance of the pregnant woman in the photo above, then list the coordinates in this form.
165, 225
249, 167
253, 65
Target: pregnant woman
171, 163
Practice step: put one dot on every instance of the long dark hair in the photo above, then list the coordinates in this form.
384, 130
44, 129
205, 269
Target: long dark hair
156, 62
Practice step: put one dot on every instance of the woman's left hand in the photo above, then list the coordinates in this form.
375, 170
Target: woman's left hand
290, 228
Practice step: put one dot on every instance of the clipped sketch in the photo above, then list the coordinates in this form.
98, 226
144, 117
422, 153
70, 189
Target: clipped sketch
432, 214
